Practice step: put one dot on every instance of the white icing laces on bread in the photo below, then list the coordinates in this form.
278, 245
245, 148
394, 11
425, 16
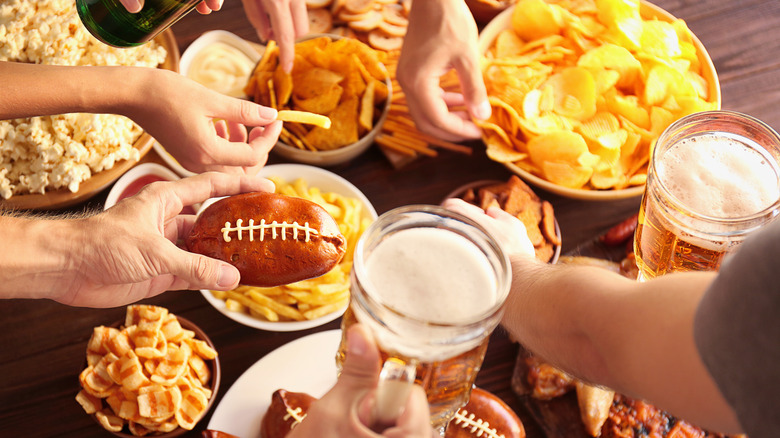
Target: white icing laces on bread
476, 426
275, 229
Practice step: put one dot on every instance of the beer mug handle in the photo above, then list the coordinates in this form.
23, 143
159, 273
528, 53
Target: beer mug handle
395, 382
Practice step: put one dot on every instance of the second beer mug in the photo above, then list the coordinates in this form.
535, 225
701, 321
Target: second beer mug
430, 285
714, 178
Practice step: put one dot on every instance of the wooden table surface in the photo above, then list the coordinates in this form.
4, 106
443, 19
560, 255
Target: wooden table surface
42, 344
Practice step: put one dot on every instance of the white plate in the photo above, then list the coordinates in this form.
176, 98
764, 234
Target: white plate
326, 181
305, 365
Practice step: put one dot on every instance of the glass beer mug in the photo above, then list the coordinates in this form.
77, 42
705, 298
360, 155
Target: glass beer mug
714, 178
430, 284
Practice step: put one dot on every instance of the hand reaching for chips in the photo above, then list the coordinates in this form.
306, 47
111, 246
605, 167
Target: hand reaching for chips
308, 299
151, 373
580, 90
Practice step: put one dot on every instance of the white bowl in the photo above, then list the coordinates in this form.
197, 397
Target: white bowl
154, 171
218, 36
326, 181
648, 11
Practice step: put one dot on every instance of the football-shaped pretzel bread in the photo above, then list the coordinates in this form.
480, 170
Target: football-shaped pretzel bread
272, 239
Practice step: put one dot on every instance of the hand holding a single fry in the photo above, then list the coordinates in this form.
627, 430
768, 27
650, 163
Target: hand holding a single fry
346, 409
122, 255
442, 35
202, 129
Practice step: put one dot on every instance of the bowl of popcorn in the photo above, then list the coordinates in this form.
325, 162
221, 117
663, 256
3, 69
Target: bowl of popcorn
153, 374
333, 103
60, 160
313, 302
579, 95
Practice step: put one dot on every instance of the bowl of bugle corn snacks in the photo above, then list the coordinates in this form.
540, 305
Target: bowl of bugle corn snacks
152, 374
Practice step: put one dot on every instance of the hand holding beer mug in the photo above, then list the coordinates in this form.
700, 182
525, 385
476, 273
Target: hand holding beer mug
714, 178
430, 284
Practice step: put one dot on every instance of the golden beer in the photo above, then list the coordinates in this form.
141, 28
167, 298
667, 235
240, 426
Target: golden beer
714, 178
430, 285
447, 383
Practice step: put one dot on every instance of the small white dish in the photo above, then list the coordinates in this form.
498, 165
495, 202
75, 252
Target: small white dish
135, 179
220, 63
305, 365
324, 180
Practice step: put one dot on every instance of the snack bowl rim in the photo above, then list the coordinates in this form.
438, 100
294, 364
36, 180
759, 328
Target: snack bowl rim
648, 10
314, 177
458, 192
344, 153
133, 174
216, 380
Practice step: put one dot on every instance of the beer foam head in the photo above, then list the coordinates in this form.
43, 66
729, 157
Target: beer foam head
719, 176
432, 274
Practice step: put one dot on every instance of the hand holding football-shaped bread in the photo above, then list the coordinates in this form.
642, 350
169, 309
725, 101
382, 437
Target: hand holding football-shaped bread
272, 239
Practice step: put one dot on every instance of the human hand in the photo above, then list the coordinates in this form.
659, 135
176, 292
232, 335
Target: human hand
128, 252
347, 408
442, 35
508, 230
204, 7
282, 21
181, 117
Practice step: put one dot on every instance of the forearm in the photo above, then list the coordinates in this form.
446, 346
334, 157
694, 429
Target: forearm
636, 338
36, 256
34, 90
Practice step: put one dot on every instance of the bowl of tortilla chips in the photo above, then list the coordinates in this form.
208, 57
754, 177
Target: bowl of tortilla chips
340, 78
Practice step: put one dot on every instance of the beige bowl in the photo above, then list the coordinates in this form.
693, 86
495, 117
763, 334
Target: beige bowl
648, 11
345, 153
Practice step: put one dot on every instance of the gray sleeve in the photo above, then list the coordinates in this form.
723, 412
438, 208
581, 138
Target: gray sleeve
737, 332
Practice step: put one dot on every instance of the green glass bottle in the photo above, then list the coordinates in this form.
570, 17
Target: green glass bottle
111, 23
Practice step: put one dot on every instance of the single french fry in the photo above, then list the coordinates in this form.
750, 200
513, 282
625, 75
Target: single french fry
304, 117
324, 310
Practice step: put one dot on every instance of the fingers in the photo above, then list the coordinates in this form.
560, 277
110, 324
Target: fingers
415, 421
284, 32
473, 87
432, 115
132, 6
360, 370
197, 271
241, 111
508, 230
198, 188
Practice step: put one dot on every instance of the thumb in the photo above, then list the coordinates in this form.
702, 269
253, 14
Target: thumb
242, 111
201, 272
360, 370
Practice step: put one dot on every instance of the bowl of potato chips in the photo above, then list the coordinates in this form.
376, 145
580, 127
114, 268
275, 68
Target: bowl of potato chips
154, 373
308, 303
581, 90
342, 79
